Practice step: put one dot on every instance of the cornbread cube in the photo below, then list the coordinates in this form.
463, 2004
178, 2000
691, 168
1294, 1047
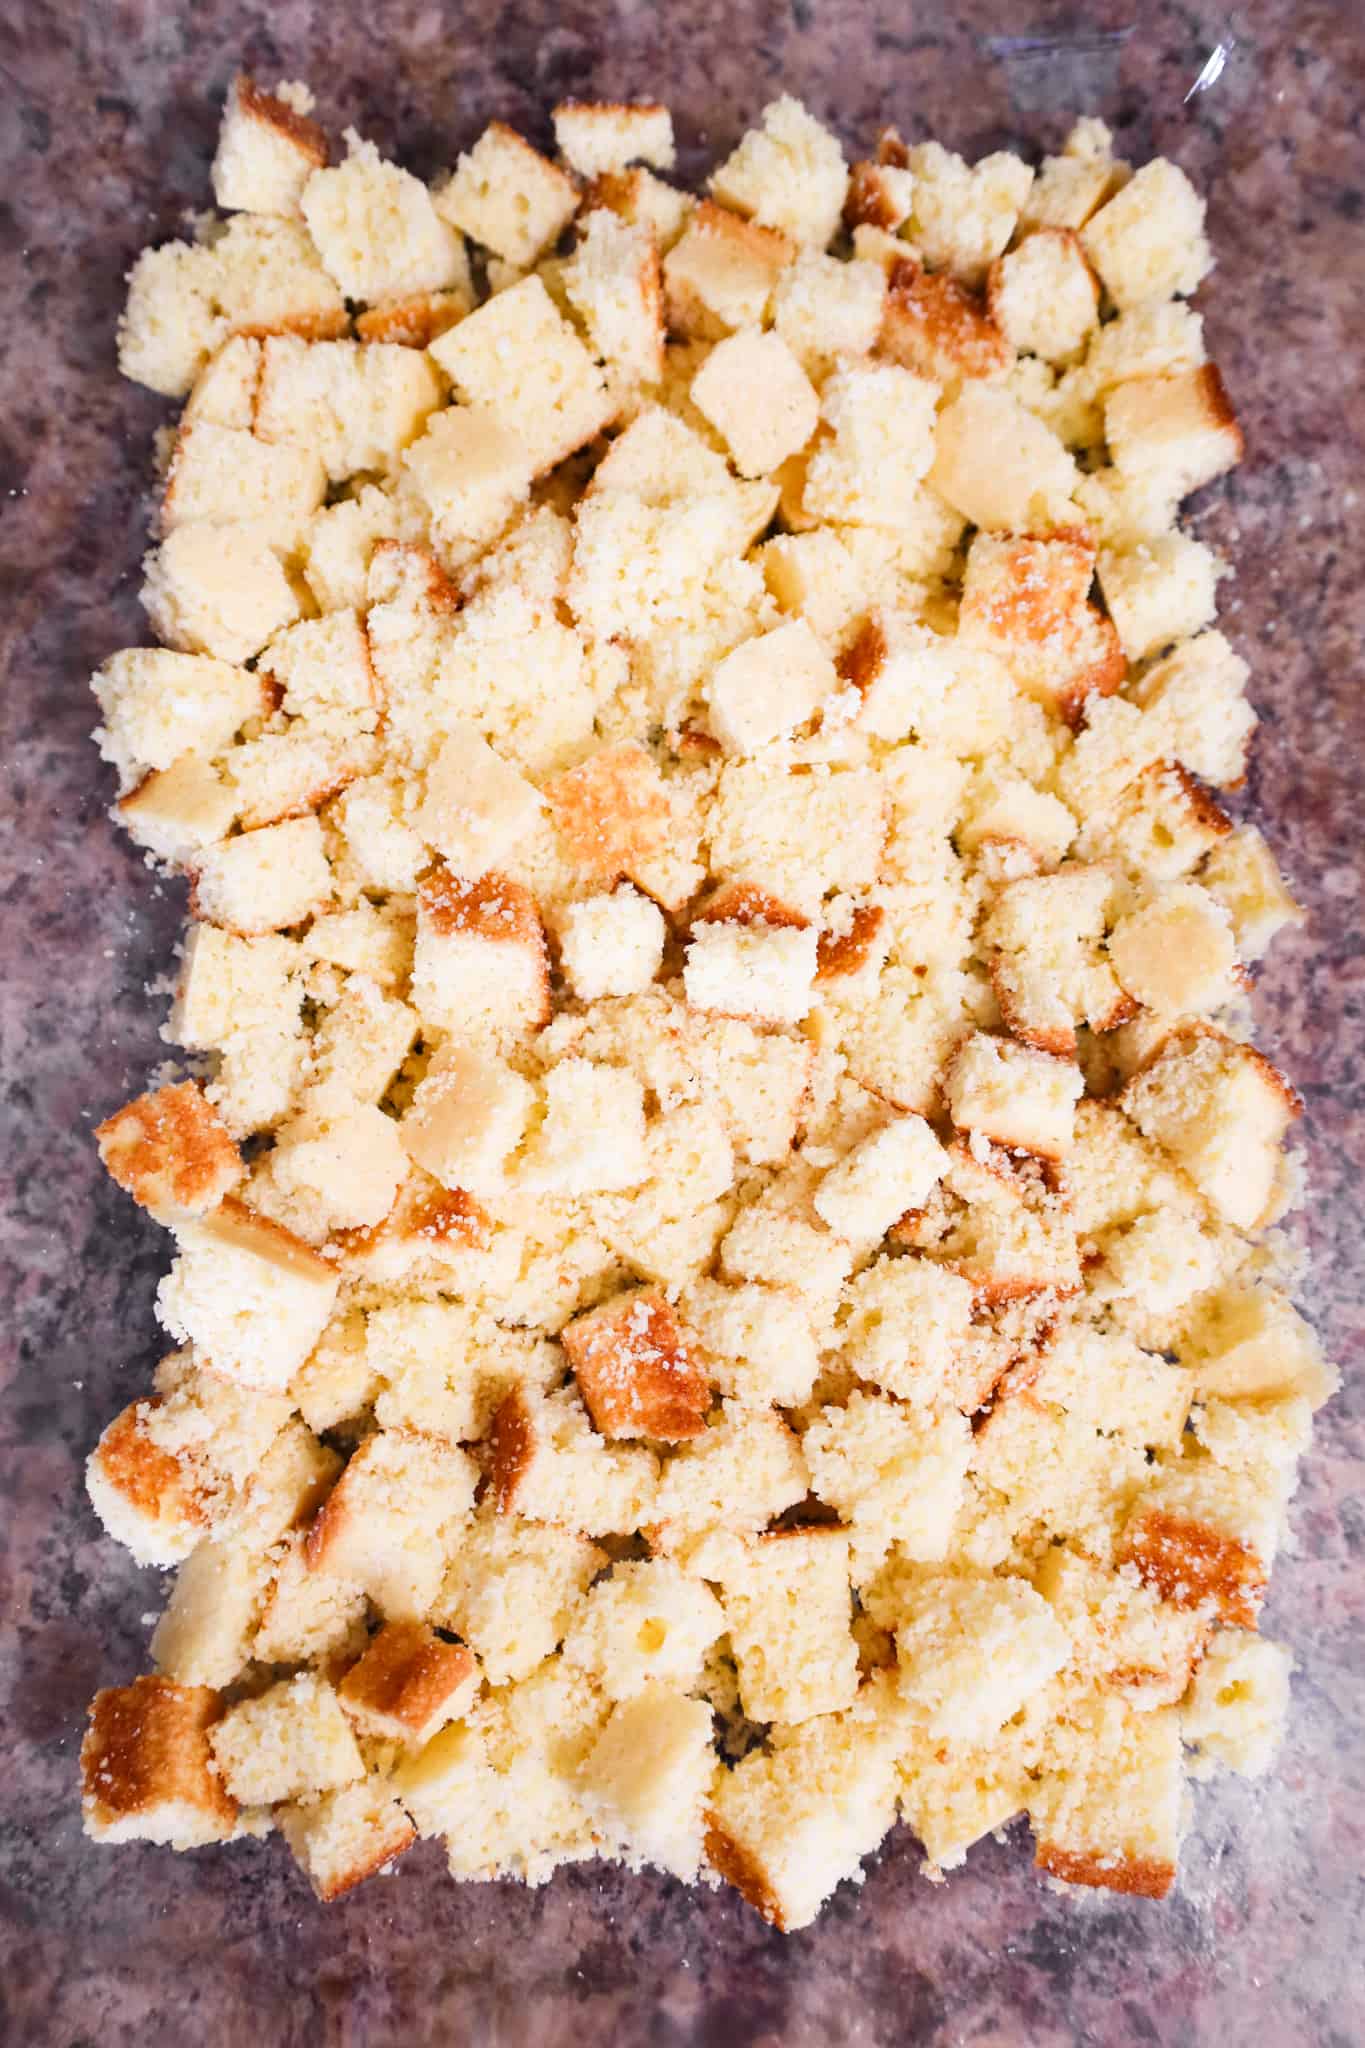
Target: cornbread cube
648, 1624
1160, 829
1158, 591
468, 1114
1194, 704
235, 989
1107, 1379
357, 405
755, 393
267, 151
759, 971
880, 445
788, 174
470, 471
1123, 1638
159, 1504
1004, 808
951, 1795
780, 1241
880, 195
376, 229
547, 1463
1221, 1110
739, 1474
1204, 1535
520, 360
639, 1368
614, 284
225, 390
434, 1369
147, 1773
1044, 296
292, 1740
647, 1776
1235, 1711
797, 837
1172, 434
591, 1139
907, 1328
306, 1618
999, 465
409, 1683
391, 1518
1248, 1342
480, 967
825, 309
219, 589
894, 1473
759, 1341
286, 774
512, 1588
253, 1297
611, 945
1014, 1095
971, 1652
475, 807
415, 321
787, 1604
1110, 1814
1048, 971
963, 215
1157, 338
1026, 601
721, 273
159, 706
1175, 952
264, 880
1066, 189
879, 1179
613, 814
171, 1151
221, 474
367, 941
643, 200
507, 196
337, 1168
594, 136
206, 1631
343, 538
768, 686
359, 1044
936, 327
1147, 242
346, 1836
175, 812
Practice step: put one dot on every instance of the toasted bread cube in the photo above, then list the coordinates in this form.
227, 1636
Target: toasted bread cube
880, 195
999, 465
971, 1652
1175, 952
358, 405
225, 390
408, 1684
512, 1589
344, 539
611, 945
759, 971
963, 215
1195, 707
1049, 972
643, 200
390, 1520
759, 1341
647, 1777
251, 1295
612, 814
1204, 1535
206, 1631
171, 1151
262, 881
468, 1114
1241, 873
175, 812
480, 966
881, 443
826, 310
376, 229
592, 1137
1014, 1095
879, 1179
507, 196
936, 327
548, 1463
159, 706
639, 1368
1248, 1342
1110, 1815
267, 151
1043, 296
721, 273
649, 1624
1104, 1377
346, 1836
613, 282
787, 1604
470, 471
1160, 829
743, 1471
146, 1769
223, 475
1026, 601
290, 1741
788, 174
1122, 1636
1235, 1711
475, 807
907, 1329
1222, 1111
233, 987
337, 1167
521, 360
157, 1502
219, 589
1067, 189
415, 321
594, 136
1147, 242
1172, 434
797, 837
323, 671
757, 396
768, 686
894, 1473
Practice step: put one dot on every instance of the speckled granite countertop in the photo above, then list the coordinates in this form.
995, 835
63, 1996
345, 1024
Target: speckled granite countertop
108, 124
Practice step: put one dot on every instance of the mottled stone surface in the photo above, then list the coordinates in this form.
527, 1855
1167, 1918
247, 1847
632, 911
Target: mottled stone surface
108, 119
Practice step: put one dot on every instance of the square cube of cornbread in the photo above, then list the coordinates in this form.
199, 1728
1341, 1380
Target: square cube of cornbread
880, 444
880, 195
759, 1339
507, 196
1106, 1378
1222, 1110
1109, 1811
475, 807
594, 136
519, 358
758, 398
1248, 1342
389, 1522
963, 215
267, 151
768, 686
880, 1178
546, 1462
1174, 951
934, 326
1147, 242
376, 229
1014, 1095
230, 985
158, 706
250, 1295
409, 1683
289, 1741
146, 1770
512, 1589
761, 971
430, 1367
1123, 1637
1235, 1712
614, 284
637, 196
175, 812
287, 773
366, 941
219, 590
1027, 602
206, 1631
908, 1328
1172, 435
323, 672
649, 1623
999, 465
336, 1167
896, 1474
743, 1471
611, 945
719, 275
1067, 188
1044, 296
639, 1368
1194, 704
1003, 806
970, 1652
223, 474
471, 472
612, 813
797, 837
1048, 968
346, 1836
1159, 830
357, 405
779, 1242
262, 881
468, 1114
171, 1151
225, 389
480, 966
787, 1603
826, 309
591, 1139
788, 174
1157, 338
1203, 1535
158, 1503
647, 1776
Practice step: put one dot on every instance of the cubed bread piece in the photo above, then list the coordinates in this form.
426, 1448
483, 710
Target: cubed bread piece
643, 200
639, 1368
175, 812
519, 358
264, 880
787, 1604
1026, 601
1014, 1095
760, 971
1159, 830
880, 444
409, 1683
999, 465
336, 1167
507, 196
1004, 809
231, 987
612, 814
963, 215
289, 1741
480, 966
741, 1473
1174, 951
594, 136
158, 706
1248, 1342
1159, 591
720, 274
171, 1151
1066, 189
1105, 1378
512, 1589
147, 1773
591, 1138
880, 195
826, 309
647, 1777
1123, 1637
971, 1652
648, 1624
755, 393
267, 151
894, 1473
547, 1462
206, 1631
344, 538
1147, 242
1194, 705
907, 1328
471, 471
469, 1112
219, 589
475, 806
1204, 1535
1156, 338
937, 328
358, 405
376, 229
1234, 1713
389, 1522
759, 1339
798, 837
365, 941
159, 1503
346, 1836
223, 475
1222, 1111
768, 686
1109, 1812
1241, 874
879, 1179
225, 390
253, 1297
779, 1240
788, 174
1172, 435
611, 945
1044, 297
614, 284
1047, 965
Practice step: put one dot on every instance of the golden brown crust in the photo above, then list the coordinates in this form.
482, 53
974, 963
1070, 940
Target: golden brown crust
892, 149
612, 812
839, 953
1203, 806
269, 1239
401, 1836
511, 1447
147, 1748
494, 908
639, 1368
257, 105
443, 1216
936, 327
1214, 394
868, 203
1189, 1563
156, 1484
411, 323
405, 561
739, 1868
1145, 1877
744, 903
405, 1679
1060, 1040
862, 661
170, 1150
319, 326
1185, 1035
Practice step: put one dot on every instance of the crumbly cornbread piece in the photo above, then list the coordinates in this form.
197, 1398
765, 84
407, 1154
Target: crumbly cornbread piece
147, 1769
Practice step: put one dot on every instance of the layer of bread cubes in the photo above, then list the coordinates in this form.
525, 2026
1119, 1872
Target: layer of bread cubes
717, 1172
